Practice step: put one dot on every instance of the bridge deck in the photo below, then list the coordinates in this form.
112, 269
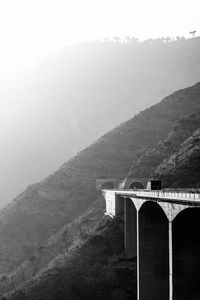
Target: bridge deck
172, 196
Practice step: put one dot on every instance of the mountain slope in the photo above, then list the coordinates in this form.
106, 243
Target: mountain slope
88, 88
152, 162
70, 191
182, 168
96, 270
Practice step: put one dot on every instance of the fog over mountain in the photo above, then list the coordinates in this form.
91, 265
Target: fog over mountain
64, 103
45, 241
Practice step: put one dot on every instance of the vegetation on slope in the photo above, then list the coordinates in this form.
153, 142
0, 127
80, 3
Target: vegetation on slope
67, 238
182, 168
96, 270
69, 192
148, 163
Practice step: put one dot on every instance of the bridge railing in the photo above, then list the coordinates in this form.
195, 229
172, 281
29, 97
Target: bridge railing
169, 195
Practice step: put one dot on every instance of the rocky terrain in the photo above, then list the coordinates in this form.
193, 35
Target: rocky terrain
94, 269
163, 140
157, 162
182, 168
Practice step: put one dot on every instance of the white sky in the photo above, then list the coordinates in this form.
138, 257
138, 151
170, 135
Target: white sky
30, 30
33, 29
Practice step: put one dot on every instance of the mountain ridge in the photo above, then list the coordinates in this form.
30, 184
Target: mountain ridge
71, 190
90, 87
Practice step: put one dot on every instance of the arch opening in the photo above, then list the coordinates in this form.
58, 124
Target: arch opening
108, 185
153, 252
186, 258
136, 185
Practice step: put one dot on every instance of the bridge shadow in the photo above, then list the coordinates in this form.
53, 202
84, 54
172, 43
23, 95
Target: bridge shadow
186, 255
153, 252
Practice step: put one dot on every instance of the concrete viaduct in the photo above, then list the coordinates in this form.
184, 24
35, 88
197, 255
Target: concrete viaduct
162, 229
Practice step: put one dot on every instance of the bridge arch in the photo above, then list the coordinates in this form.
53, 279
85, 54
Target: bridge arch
136, 185
153, 252
186, 258
108, 185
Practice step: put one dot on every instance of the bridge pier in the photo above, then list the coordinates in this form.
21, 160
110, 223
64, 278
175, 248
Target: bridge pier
138, 258
161, 231
130, 226
170, 261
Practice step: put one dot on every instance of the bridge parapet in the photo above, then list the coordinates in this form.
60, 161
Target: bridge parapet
172, 202
169, 195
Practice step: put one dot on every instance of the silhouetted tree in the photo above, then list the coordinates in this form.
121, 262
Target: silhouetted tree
193, 32
116, 39
134, 40
127, 39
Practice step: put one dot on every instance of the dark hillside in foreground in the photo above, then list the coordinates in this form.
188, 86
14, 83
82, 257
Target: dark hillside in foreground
96, 270
69, 192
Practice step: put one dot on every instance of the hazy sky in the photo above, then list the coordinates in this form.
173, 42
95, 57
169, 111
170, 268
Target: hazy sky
32, 29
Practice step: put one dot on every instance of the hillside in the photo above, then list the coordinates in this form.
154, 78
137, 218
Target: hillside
161, 159
65, 103
92, 264
182, 168
28, 222
95, 270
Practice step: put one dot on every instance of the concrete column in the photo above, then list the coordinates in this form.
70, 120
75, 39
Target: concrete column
170, 263
130, 229
138, 258
119, 206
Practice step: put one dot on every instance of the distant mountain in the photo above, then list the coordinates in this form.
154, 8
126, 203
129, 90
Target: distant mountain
162, 141
68, 101
70, 192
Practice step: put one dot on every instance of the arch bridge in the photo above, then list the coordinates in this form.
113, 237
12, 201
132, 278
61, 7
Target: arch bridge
162, 231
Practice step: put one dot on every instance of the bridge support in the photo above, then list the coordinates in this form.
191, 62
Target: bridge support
163, 233
170, 263
130, 228
138, 258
